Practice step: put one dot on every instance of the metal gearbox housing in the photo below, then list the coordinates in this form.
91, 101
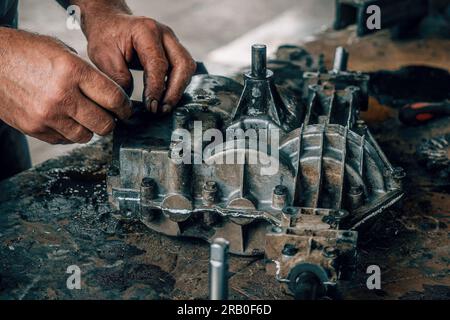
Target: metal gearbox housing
332, 177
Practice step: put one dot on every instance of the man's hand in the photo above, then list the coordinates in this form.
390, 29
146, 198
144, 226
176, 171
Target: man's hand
48, 92
117, 40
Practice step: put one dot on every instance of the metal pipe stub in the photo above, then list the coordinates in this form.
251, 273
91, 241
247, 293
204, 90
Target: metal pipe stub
218, 269
259, 61
340, 60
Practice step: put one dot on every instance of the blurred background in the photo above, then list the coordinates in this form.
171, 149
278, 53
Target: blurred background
217, 32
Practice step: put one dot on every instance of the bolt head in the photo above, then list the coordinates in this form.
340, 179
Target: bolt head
280, 190
356, 190
210, 186
276, 229
330, 252
398, 173
148, 182
289, 250
113, 171
181, 112
290, 210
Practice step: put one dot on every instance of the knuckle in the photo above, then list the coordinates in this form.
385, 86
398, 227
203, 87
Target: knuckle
66, 64
123, 79
45, 113
168, 30
66, 100
57, 97
81, 135
107, 128
61, 101
146, 24
117, 97
149, 23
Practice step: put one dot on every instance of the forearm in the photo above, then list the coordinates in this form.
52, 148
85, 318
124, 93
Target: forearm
5, 37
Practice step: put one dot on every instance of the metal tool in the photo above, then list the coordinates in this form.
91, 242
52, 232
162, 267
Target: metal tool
218, 270
422, 112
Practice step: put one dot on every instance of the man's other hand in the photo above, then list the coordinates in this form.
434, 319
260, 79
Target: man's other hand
118, 41
47, 91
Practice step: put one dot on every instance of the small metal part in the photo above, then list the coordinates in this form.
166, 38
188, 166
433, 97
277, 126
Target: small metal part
259, 61
148, 188
276, 229
361, 126
340, 60
434, 154
209, 192
289, 250
279, 197
148, 192
210, 218
178, 177
397, 175
289, 211
180, 118
356, 196
329, 252
218, 269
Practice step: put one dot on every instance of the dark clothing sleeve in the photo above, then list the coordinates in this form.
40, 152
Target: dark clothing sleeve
14, 150
15, 156
64, 3
8, 13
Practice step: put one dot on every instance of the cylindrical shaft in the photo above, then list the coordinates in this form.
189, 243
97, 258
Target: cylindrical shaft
340, 60
218, 270
259, 61
178, 174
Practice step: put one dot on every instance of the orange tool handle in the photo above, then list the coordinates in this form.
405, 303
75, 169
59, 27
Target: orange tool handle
421, 112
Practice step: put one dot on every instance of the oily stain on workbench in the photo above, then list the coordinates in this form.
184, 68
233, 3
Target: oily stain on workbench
56, 236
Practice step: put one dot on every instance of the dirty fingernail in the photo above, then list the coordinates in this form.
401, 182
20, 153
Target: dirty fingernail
154, 106
166, 108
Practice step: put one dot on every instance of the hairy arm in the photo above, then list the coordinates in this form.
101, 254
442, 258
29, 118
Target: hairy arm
47, 91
